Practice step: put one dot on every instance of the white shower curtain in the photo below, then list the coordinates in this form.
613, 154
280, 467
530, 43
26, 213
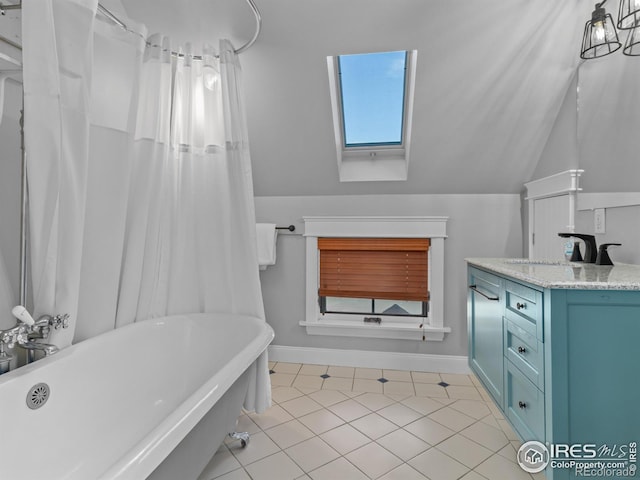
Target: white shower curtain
165, 219
7, 293
7, 296
57, 49
189, 240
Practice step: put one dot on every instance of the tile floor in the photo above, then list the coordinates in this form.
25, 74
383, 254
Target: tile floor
343, 423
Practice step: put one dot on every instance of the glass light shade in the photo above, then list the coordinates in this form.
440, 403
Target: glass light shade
628, 14
632, 45
600, 37
209, 76
210, 72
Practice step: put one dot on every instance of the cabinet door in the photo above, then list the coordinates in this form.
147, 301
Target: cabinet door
596, 392
485, 310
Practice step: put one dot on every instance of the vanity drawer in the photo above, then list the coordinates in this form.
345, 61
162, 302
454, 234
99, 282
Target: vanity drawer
524, 351
524, 404
524, 308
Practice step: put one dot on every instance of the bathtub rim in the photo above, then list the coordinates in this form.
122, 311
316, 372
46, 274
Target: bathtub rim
143, 458
120, 331
147, 452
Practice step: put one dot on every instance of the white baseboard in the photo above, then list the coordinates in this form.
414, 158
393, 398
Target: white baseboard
367, 359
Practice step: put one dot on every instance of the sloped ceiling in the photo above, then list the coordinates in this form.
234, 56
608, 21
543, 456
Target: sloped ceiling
491, 77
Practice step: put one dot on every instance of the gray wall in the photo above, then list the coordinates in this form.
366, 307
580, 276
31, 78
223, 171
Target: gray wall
479, 226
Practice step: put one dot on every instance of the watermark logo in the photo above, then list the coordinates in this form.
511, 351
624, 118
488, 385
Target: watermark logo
585, 460
533, 456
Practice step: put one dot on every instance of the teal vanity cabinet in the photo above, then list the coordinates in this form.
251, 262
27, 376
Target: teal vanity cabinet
569, 354
486, 307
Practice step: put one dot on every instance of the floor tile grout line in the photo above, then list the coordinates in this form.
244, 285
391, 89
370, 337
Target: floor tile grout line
395, 402
357, 396
414, 391
305, 472
301, 467
376, 442
354, 377
340, 455
401, 459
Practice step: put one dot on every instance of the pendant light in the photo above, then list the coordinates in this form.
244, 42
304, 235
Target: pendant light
629, 19
600, 37
628, 14
632, 45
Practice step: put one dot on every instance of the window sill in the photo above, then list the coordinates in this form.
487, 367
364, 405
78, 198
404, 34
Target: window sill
373, 169
392, 331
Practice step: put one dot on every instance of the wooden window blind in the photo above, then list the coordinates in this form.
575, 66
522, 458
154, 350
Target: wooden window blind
382, 268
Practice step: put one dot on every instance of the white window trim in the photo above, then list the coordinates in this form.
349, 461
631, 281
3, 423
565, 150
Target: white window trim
375, 163
403, 328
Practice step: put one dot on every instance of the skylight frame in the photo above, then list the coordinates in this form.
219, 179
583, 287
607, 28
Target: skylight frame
373, 162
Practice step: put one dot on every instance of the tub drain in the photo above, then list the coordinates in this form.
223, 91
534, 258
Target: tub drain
38, 396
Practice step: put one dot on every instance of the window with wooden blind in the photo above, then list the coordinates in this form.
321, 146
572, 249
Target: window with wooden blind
383, 276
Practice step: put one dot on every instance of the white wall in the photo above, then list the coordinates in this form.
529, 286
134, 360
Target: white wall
609, 118
479, 226
608, 122
561, 150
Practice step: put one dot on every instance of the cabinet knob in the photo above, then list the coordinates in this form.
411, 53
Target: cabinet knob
520, 306
521, 350
522, 405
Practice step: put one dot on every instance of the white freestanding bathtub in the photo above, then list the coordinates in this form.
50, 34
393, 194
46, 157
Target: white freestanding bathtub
153, 399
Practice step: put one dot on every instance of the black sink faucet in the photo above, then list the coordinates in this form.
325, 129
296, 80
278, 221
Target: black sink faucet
603, 255
590, 248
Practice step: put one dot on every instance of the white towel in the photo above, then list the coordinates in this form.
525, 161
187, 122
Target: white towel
267, 234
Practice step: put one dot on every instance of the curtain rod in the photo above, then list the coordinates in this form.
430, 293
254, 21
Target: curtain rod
246, 46
9, 6
3, 10
104, 11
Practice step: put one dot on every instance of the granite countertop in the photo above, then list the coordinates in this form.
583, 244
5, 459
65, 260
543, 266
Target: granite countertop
562, 274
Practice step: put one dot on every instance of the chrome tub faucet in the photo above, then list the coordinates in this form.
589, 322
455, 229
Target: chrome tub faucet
26, 332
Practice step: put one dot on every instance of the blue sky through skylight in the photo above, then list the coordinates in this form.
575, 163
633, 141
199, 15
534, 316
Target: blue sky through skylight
372, 87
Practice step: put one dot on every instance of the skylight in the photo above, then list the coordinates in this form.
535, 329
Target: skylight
372, 103
372, 91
